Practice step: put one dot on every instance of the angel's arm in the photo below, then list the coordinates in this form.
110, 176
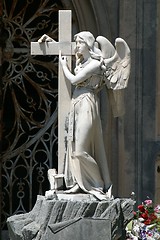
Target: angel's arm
83, 75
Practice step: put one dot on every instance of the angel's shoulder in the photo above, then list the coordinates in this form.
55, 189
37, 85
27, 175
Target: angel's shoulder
94, 63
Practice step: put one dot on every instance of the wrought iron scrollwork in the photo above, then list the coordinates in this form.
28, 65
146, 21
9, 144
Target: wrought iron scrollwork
29, 87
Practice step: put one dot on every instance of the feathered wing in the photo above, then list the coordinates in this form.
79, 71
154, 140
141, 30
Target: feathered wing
106, 47
118, 67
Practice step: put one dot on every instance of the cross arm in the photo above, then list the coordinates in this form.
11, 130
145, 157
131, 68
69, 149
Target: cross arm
52, 48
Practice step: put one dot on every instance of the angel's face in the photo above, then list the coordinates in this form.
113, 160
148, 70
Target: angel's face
81, 46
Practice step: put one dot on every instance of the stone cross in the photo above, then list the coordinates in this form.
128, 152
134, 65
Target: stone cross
64, 87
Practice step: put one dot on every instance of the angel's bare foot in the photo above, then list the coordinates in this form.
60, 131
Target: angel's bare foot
74, 189
109, 192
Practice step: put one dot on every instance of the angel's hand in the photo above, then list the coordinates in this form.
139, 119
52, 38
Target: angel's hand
63, 59
45, 38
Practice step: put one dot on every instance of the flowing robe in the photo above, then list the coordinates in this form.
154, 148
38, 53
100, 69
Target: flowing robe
86, 163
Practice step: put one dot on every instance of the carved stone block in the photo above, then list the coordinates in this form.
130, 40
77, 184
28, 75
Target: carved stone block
72, 219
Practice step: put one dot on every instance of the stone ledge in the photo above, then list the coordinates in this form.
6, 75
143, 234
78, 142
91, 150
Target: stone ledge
51, 214
61, 195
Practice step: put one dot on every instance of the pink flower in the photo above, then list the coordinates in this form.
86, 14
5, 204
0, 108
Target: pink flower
148, 202
157, 209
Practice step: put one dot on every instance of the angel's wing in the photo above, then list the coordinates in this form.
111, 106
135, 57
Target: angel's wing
106, 47
118, 67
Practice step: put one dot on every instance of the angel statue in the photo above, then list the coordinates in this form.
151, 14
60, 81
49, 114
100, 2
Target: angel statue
98, 64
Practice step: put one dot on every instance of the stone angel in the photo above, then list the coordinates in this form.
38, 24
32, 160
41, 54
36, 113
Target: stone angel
98, 64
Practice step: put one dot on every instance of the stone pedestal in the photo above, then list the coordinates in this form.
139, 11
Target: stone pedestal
77, 217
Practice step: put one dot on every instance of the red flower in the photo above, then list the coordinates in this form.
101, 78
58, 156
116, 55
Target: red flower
141, 208
152, 217
144, 215
147, 222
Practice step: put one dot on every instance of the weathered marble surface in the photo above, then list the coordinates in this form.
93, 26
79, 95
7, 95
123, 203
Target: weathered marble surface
71, 218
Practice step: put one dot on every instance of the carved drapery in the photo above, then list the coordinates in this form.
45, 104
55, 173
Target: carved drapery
29, 103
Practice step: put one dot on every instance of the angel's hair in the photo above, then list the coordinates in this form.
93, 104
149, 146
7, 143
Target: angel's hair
89, 39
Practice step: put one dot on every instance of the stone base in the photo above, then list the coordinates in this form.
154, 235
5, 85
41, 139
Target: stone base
72, 216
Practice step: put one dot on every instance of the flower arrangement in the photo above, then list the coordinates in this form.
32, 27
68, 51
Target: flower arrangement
146, 223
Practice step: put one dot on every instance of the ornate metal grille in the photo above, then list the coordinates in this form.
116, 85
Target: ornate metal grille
29, 87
